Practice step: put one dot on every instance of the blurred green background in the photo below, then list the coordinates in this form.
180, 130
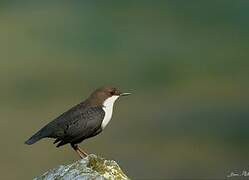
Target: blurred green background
186, 63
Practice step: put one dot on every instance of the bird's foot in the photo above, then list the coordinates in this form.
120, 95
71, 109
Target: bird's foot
79, 151
82, 151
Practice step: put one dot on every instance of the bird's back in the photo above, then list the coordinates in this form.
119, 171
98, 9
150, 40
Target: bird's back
59, 126
61, 123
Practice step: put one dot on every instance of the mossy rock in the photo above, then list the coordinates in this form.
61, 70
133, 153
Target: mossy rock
90, 168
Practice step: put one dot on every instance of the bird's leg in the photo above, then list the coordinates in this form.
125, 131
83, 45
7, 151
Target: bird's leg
76, 148
82, 151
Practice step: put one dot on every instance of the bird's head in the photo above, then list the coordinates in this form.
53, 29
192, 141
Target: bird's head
106, 95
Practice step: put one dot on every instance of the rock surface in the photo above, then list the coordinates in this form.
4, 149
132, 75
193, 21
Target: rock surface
92, 167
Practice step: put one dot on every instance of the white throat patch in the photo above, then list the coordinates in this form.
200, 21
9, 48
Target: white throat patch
108, 108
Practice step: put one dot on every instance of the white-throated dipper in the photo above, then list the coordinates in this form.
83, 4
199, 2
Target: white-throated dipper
85, 120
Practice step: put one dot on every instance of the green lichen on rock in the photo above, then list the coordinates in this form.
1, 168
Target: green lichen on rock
90, 168
106, 168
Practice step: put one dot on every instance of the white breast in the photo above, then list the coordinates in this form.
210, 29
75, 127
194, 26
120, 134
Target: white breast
108, 108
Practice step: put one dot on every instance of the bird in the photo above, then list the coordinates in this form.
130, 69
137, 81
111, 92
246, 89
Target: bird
84, 120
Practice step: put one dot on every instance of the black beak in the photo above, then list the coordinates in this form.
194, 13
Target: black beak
125, 94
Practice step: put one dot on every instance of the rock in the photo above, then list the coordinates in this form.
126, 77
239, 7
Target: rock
92, 167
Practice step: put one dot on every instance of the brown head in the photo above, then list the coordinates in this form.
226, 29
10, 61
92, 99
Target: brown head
99, 96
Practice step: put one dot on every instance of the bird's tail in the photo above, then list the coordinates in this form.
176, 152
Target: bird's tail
36, 137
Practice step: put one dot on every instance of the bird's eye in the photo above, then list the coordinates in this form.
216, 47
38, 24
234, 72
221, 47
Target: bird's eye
112, 92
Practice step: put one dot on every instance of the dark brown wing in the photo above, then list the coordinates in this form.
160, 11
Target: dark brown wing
81, 126
57, 127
